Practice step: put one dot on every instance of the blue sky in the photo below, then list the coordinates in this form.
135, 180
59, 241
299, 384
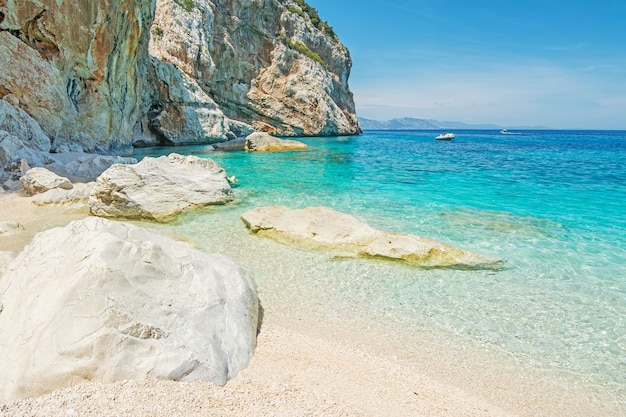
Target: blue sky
552, 63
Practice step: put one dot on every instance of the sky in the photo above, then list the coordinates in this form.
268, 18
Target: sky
552, 63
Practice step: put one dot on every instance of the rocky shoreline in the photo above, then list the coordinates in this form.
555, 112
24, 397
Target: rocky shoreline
99, 287
104, 317
293, 371
124, 330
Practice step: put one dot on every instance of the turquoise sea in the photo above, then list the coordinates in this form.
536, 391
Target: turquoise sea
552, 204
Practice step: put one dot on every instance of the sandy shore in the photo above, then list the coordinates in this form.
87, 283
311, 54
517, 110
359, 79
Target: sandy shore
291, 374
296, 371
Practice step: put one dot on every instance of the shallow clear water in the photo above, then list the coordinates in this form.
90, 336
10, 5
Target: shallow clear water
552, 204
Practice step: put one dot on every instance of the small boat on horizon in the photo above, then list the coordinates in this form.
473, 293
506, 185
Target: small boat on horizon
506, 132
445, 136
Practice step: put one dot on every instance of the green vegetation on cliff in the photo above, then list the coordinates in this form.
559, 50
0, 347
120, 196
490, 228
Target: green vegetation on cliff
157, 31
305, 11
187, 5
304, 50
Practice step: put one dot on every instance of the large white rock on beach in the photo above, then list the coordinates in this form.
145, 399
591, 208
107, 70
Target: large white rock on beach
77, 196
323, 227
39, 180
159, 188
264, 142
106, 301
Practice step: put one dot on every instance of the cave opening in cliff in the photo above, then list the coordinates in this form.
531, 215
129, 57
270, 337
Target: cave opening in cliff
154, 125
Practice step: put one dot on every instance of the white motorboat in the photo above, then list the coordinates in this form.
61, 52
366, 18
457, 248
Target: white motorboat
506, 132
445, 136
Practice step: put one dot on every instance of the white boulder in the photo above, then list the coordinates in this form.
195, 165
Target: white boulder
159, 188
8, 228
77, 196
323, 227
39, 180
106, 301
237, 144
264, 142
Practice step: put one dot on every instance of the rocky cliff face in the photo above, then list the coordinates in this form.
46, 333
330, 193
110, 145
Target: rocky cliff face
103, 76
75, 67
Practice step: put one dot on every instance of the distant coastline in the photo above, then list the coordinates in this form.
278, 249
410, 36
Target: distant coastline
411, 123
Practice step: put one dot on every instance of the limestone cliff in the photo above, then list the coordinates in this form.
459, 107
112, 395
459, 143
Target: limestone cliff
262, 62
75, 67
103, 76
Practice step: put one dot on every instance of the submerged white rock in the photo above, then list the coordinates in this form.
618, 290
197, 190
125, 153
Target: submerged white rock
264, 142
8, 228
107, 301
324, 227
159, 188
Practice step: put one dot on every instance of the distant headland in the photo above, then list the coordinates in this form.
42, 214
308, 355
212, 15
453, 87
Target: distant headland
411, 123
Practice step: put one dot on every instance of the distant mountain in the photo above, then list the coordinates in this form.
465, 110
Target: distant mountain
410, 123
